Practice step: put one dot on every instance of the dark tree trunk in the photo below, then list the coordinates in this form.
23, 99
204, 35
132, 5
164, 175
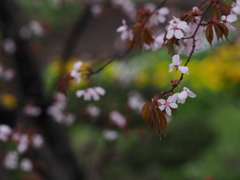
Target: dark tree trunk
57, 155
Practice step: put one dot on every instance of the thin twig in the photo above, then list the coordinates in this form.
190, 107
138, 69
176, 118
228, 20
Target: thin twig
192, 51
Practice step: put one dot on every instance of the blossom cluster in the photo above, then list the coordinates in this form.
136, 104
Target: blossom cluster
57, 110
182, 35
6, 74
23, 141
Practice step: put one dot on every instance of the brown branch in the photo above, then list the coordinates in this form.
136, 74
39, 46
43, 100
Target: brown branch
126, 52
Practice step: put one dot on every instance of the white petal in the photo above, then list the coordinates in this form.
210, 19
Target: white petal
171, 67
87, 95
161, 19
162, 107
170, 34
124, 35
164, 11
162, 101
100, 90
168, 111
121, 29
173, 105
182, 25
94, 94
189, 93
183, 69
182, 101
124, 22
182, 95
236, 9
174, 97
170, 99
178, 33
79, 93
176, 60
77, 65
231, 18
223, 17
230, 27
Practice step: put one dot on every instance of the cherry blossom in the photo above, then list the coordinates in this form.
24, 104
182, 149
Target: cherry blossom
229, 19
176, 28
118, 118
75, 71
126, 32
26, 165
11, 160
136, 101
157, 43
158, 16
187, 45
184, 94
177, 99
9, 46
167, 105
236, 7
36, 28
110, 134
37, 140
32, 111
192, 26
23, 143
5, 132
176, 63
91, 93
93, 111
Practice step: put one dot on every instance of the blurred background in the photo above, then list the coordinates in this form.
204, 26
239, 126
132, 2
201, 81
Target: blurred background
108, 139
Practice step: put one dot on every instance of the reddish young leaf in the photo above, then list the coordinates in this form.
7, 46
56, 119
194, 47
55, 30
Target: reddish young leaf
63, 83
209, 34
147, 35
218, 31
142, 15
224, 29
137, 33
154, 117
215, 12
170, 46
224, 9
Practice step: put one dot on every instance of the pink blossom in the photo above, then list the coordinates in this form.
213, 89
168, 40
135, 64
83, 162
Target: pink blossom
167, 105
5, 132
23, 143
110, 134
75, 71
118, 118
177, 99
93, 111
9, 46
187, 45
192, 26
89, 93
26, 165
159, 16
236, 7
229, 19
176, 63
126, 32
176, 28
37, 141
11, 160
184, 94
157, 43
32, 111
